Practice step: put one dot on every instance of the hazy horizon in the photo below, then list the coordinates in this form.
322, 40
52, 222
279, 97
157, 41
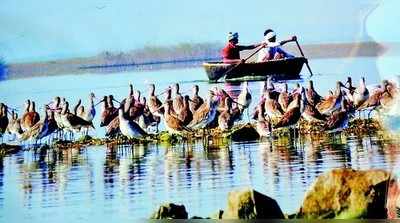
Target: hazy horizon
47, 30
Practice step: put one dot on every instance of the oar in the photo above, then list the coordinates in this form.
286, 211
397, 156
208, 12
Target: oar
242, 61
302, 54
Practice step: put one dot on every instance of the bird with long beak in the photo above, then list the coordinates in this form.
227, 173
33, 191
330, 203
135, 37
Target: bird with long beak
361, 94
128, 127
338, 120
313, 98
73, 123
30, 117
374, 100
331, 104
172, 123
225, 120
38, 131
349, 85
263, 126
272, 107
206, 114
284, 98
196, 101
178, 100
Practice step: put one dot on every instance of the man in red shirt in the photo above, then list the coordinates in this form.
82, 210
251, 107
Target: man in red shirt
231, 52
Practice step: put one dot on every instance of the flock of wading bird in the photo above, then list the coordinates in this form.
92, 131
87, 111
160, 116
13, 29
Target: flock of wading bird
137, 116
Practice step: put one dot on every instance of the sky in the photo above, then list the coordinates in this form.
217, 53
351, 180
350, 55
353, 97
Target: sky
40, 30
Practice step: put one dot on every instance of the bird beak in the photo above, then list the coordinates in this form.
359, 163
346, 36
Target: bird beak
163, 92
116, 101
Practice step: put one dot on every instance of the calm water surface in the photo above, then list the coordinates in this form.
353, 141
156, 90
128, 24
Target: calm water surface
128, 182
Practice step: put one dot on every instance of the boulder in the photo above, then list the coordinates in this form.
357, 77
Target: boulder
347, 194
247, 203
170, 211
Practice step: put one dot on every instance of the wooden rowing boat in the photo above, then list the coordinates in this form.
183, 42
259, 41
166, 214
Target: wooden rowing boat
288, 68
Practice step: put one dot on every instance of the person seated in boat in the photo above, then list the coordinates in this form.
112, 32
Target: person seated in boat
231, 52
273, 50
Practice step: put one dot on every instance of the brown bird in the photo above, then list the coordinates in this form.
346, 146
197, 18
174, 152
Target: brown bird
206, 114
196, 100
272, 107
30, 117
14, 124
112, 129
332, 103
292, 116
313, 98
374, 99
284, 98
225, 121
185, 115
73, 123
154, 103
108, 111
178, 100
338, 120
172, 123
349, 85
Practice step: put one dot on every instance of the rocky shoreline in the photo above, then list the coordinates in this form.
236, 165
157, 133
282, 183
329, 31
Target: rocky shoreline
336, 194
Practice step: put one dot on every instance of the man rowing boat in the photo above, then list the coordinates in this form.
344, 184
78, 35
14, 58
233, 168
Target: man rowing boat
231, 52
273, 50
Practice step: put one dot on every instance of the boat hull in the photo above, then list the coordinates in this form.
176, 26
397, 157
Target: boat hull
288, 68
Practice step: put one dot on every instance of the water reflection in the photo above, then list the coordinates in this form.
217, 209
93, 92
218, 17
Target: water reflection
138, 178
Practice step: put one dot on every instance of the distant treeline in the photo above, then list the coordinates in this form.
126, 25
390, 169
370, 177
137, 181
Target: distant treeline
161, 54
177, 56
147, 58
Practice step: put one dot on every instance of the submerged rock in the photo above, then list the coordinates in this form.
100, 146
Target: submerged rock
170, 211
249, 204
244, 133
346, 194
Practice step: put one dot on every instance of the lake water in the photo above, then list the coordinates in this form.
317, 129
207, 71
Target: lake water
129, 182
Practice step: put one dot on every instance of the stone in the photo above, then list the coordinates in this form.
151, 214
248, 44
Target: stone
247, 203
245, 133
347, 194
170, 211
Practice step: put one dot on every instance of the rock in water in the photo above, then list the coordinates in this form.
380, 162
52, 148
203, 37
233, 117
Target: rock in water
170, 211
250, 204
347, 194
245, 133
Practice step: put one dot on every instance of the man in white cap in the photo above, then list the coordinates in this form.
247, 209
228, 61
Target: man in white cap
273, 50
231, 52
